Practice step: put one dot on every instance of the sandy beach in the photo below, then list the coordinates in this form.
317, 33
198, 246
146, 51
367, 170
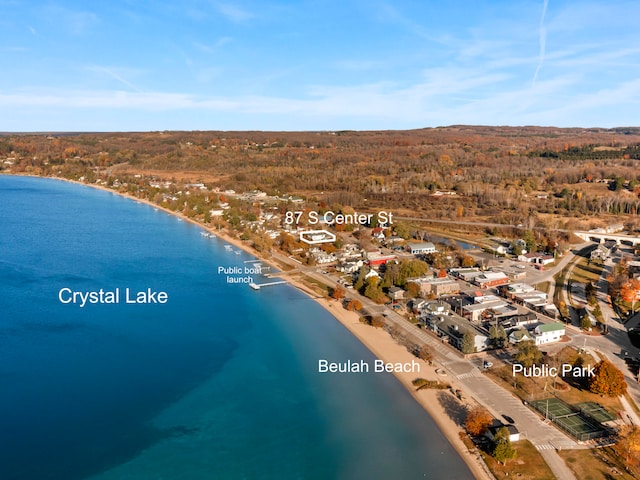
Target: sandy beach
441, 405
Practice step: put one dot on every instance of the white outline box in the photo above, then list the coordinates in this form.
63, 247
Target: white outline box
331, 237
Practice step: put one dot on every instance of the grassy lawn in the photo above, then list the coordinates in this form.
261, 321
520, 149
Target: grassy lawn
528, 464
560, 286
594, 464
543, 286
585, 272
316, 286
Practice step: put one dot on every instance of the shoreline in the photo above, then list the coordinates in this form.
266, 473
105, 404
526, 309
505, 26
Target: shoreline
376, 340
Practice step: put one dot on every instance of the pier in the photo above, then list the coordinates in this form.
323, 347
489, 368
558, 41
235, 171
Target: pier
256, 286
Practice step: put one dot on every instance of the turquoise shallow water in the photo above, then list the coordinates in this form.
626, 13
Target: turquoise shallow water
219, 383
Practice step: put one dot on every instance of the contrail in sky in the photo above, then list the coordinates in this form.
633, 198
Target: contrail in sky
543, 42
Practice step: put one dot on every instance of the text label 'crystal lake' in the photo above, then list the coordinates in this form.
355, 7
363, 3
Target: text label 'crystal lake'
102, 296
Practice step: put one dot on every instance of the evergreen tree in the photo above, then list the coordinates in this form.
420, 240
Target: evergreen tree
585, 321
497, 336
359, 285
468, 342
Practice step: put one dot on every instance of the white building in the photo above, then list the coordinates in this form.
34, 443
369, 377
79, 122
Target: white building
548, 333
421, 248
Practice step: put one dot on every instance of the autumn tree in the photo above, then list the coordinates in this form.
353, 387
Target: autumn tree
288, 243
630, 292
528, 353
373, 290
477, 421
413, 289
425, 353
502, 448
338, 293
467, 261
353, 305
628, 445
564, 310
617, 280
378, 321
607, 380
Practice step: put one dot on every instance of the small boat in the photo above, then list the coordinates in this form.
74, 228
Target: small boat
227, 248
254, 286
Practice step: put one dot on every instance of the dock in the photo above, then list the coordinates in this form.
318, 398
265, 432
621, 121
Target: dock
257, 286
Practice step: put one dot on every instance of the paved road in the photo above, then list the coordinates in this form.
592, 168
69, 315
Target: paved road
474, 384
614, 345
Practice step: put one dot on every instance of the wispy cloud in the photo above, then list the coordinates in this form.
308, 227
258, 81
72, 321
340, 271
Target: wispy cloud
114, 73
233, 12
212, 48
13, 49
360, 65
76, 22
437, 100
543, 42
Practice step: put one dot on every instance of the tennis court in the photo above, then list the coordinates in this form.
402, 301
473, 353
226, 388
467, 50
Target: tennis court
596, 411
569, 419
552, 407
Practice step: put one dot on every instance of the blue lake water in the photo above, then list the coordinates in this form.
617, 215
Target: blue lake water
219, 383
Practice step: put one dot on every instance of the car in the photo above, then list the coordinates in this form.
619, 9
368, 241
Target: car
508, 418
488, 364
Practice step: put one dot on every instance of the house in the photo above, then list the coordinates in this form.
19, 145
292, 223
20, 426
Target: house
536, 258
475, 310
519, 244
396, 293
350, 266
519, 335
377, 233
518, 321
514, 433
423, 248
601, 252
438, 307
393, 239
418, 305
548, 332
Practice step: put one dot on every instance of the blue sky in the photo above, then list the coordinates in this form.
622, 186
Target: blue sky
140, 65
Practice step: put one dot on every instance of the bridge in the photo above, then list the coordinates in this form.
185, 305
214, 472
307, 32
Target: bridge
604, 237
